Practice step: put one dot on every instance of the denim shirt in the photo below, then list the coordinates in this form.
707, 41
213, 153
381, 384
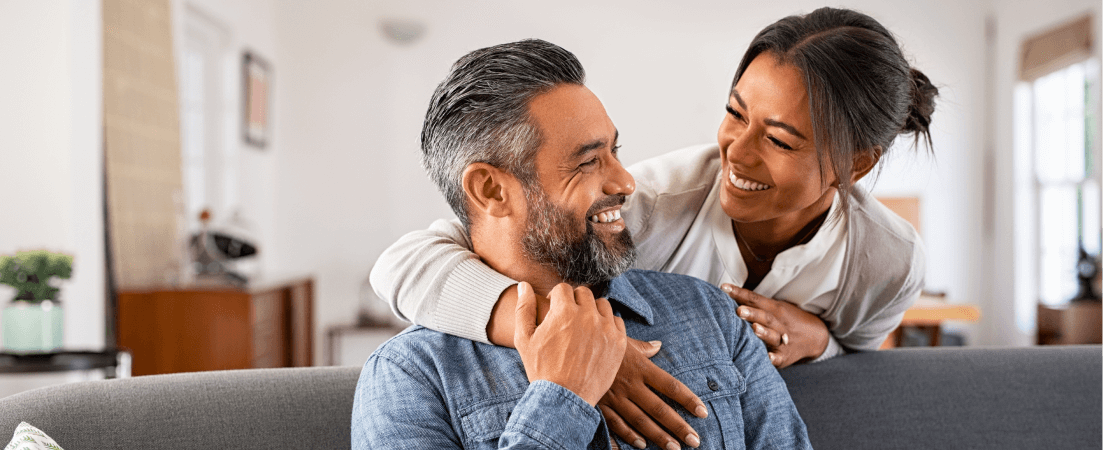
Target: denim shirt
426, 389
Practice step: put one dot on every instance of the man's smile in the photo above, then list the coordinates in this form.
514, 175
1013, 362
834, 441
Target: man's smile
612, 215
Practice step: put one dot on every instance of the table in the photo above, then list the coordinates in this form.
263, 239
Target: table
114, 362
927, 314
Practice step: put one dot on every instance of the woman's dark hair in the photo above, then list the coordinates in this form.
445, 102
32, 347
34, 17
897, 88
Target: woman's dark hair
862, 92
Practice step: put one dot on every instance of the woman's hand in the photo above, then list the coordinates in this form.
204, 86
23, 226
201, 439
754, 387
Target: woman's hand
631, 408
791, 334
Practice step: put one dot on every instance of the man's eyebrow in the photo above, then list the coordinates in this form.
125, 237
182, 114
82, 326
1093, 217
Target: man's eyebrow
771, 122
593, 145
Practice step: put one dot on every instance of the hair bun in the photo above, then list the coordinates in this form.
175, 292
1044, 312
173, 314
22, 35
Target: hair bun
922, 106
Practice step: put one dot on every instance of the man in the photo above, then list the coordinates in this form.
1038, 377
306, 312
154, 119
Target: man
527, 158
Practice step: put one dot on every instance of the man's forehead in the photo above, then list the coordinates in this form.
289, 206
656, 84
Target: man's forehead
572, 120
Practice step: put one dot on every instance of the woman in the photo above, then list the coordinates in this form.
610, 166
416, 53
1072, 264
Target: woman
773, 207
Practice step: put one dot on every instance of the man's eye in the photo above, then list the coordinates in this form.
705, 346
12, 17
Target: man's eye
588, 163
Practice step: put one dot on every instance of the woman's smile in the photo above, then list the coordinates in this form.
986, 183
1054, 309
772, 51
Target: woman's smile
746, 184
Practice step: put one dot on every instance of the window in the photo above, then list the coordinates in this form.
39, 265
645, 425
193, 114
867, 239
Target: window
205, 155
1066, 170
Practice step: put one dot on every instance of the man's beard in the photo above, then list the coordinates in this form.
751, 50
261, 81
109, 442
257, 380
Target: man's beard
581, 259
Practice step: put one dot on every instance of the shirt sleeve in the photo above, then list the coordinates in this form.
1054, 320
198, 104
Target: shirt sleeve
770, 419
395, 407
432, 278
551, 416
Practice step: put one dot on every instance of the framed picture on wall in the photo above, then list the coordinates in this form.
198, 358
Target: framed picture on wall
257, 76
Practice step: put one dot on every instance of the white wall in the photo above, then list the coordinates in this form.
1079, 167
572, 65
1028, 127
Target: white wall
250, 25
51, 149
51, 119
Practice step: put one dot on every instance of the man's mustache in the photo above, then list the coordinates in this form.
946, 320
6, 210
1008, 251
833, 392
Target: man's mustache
607, 202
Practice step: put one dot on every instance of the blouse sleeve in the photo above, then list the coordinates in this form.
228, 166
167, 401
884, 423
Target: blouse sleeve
883, 277
432, 278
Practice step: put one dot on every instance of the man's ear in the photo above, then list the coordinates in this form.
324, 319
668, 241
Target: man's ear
864, 162
489, 189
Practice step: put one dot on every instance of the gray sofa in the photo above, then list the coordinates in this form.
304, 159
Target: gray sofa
1029, 398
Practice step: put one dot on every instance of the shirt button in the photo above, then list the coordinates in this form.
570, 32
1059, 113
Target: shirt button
714, 385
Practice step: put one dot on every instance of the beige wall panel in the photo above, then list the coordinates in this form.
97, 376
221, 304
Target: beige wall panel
141, 124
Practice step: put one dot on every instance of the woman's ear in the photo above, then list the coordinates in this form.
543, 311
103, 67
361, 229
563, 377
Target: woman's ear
489, 190
864, 162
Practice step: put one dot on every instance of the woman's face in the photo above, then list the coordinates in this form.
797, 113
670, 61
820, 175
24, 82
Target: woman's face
771, 171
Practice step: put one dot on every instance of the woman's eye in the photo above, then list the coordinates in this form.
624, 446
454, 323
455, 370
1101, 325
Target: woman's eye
780, 144
734, 113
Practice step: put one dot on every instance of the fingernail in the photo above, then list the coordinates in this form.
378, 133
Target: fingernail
743, 312
656, 343
639, 443
673, 446
773, 358
701, 411
758, 330
692, 440
726, 287
522, 288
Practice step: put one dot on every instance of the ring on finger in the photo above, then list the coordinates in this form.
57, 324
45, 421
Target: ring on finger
784, 338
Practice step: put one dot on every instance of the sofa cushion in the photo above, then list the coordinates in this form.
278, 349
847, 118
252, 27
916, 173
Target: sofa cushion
27, 437
1028, 398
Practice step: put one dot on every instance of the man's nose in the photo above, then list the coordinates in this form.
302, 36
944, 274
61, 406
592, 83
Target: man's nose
619, 182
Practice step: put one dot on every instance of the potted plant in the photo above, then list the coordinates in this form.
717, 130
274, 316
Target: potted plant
32, 322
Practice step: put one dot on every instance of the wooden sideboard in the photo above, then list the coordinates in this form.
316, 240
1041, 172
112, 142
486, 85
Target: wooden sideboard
191, 329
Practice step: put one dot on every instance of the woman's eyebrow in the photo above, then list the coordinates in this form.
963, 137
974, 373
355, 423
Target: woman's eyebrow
792, 130
771, 122
738, 99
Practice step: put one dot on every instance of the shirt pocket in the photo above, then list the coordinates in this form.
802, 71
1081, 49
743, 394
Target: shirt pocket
712, 380
483, 423
719, 385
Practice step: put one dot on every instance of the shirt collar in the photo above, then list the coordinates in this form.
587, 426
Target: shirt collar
623, 293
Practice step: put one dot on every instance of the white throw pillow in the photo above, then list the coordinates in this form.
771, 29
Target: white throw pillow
28, 437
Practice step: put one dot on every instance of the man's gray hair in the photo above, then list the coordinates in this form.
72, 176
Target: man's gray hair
479, 113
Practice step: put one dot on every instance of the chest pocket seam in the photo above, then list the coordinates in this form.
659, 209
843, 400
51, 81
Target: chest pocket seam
712, 379
487, 420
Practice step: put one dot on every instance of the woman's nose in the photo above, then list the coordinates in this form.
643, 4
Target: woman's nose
739, 148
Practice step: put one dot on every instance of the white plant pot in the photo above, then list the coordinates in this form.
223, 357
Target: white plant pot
30, 327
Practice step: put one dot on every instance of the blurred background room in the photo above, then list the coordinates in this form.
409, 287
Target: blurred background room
224, 173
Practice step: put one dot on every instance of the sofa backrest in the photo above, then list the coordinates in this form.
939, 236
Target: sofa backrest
997, 398
260, 408
1038, 397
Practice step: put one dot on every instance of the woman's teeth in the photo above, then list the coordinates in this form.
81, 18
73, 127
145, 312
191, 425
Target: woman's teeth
606, 217
747, 185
